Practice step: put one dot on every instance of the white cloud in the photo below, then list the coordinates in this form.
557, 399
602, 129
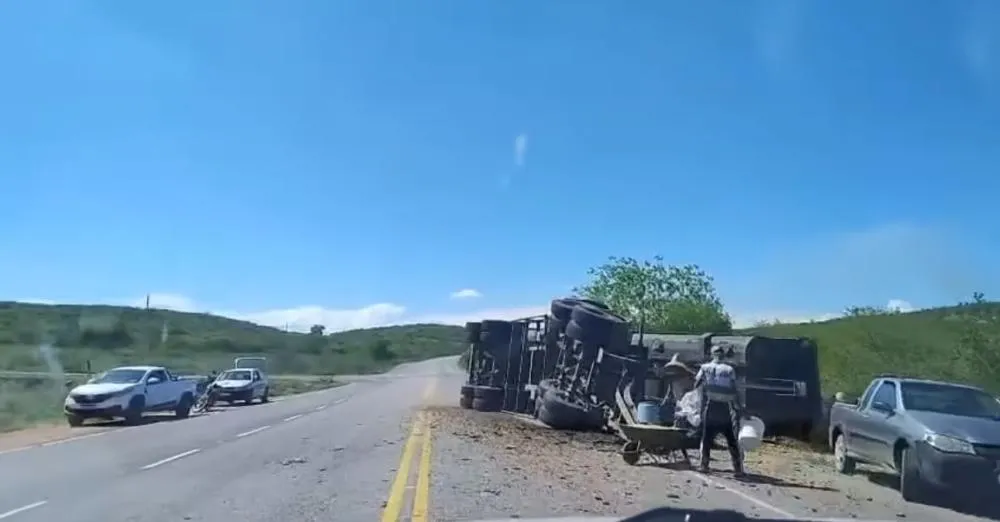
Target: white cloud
520, 149
899, 305
466, 293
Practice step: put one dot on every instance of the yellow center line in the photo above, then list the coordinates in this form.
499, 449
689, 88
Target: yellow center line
419, 432
394, 505
422, 495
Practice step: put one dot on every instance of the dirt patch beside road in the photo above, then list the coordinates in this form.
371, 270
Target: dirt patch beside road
578, 473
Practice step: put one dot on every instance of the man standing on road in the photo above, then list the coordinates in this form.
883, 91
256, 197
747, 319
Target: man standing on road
720, 408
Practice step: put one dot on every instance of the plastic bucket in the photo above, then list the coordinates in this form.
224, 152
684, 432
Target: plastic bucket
751, 434
648, 412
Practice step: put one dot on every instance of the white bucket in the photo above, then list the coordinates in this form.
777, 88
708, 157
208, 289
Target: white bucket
751, 434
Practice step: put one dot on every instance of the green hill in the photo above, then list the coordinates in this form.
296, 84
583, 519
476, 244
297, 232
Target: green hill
959, 343
105, 336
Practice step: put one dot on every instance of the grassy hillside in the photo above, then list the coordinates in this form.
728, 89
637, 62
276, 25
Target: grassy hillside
958, 343
105, 336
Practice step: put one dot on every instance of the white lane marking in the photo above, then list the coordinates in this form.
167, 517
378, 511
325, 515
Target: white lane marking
170, 459
293, 417
340, 401
22, 509
15, 450
744, 496
54, 442
251, 432
71, 439
320, 407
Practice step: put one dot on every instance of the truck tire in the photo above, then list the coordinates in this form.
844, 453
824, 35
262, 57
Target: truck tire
183, 409
133, 413
496, 332
74, 421
845, 465
562, 309
561, 414
468, 390
472, 331
487, 404
487, 398
465, 402
597, 326
595, 303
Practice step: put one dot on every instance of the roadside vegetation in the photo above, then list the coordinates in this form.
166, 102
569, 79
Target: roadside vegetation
959, 343
70, 341
84, 338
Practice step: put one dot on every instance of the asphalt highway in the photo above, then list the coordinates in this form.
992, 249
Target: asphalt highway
370, 450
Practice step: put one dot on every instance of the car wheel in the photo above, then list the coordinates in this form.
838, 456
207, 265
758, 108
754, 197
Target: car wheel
133, 414
265, 398
911, 485
845, 464
184, 406
74, 421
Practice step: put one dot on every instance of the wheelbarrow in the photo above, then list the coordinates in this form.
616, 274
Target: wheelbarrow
662, 444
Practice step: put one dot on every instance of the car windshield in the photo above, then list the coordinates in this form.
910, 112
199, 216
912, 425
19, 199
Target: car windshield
953, 400
120, 376
235, 375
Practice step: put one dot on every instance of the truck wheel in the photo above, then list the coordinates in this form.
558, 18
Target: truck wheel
133, 414
845, 465
911, 485
74, 421
265, 398
487, 398
183, 409
465, 402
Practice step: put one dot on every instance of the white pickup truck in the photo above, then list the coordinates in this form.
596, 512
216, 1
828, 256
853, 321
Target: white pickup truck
128, 392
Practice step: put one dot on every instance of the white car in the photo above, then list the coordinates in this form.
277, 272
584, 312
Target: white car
128, 392
243, 384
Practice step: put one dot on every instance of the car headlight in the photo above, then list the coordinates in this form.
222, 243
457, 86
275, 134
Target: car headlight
949, 444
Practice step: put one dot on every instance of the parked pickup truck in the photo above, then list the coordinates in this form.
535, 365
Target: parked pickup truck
128, 392
938, 436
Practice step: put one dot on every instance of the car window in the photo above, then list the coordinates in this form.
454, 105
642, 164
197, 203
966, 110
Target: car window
867, 395
237, 375
158, 374
887, 394
962, 401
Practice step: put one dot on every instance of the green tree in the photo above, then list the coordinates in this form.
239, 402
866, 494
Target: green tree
381, 350
317, 329
671, 298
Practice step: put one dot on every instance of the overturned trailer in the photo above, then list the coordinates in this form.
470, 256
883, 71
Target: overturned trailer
778, 377
579, 366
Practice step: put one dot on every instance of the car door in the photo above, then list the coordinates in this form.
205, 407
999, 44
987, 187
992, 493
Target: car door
853, 421
258, 384
157, 388
885, 422
874, 429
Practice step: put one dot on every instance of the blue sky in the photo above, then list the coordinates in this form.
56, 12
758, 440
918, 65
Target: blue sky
356, 162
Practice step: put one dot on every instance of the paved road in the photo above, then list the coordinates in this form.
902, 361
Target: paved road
336, 455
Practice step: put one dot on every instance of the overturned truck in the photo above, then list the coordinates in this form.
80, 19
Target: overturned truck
580, 365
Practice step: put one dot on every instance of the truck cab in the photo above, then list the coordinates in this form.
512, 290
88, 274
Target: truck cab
128, 392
